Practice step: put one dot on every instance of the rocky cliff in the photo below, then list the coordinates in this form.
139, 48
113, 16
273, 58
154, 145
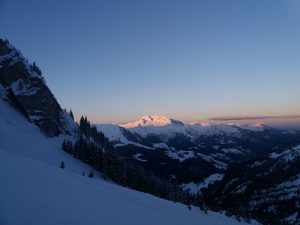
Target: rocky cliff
26, 90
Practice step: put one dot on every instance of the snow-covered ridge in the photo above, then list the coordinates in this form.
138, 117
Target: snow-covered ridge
195, 188
288, 155
167, 128
158, 120
155, 120
9, 56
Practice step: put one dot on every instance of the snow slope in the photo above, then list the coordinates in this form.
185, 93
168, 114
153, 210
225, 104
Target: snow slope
195, 188
18, 135
34, 190
288, 155
42, 194
112, 132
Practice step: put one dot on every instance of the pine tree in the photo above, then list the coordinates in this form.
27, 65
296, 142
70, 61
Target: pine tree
81, 123
64, 145
84, 125
91, 174
36, 69
71, 114
62, 165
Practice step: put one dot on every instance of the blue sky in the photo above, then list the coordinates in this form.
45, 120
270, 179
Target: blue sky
116, 61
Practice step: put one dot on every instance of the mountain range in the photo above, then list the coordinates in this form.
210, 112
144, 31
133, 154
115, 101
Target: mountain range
203, 148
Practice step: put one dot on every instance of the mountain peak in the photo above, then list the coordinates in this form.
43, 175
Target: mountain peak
259, 125
154, 120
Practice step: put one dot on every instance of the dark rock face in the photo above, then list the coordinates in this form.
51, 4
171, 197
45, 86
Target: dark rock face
27, 90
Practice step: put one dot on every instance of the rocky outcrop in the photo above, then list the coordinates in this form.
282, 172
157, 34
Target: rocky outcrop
28, 92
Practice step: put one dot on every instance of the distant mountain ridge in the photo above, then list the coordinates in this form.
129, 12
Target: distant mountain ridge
161, 125
155, 120
161, 143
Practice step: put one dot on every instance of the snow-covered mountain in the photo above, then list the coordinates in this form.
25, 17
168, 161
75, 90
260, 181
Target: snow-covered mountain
155, 120
165, 129
155, 125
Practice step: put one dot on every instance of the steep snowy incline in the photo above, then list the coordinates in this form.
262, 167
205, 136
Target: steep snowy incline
19, 136
33, 192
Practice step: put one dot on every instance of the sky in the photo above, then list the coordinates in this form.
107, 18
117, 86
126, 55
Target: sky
116, 61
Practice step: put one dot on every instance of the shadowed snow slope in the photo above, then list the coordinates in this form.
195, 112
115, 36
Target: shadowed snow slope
34, 190
36, 193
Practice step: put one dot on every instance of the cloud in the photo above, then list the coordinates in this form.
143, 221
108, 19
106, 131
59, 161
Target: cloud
222, 118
